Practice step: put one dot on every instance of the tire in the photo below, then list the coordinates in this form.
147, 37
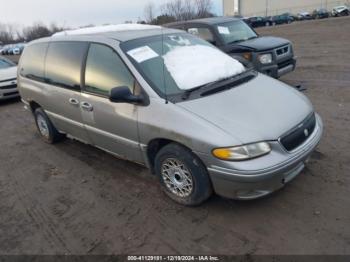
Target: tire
46, 129
182, 175
267, 24
273, 23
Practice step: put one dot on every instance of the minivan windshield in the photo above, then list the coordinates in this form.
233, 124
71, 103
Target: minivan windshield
4, 63
176, 63
235, 31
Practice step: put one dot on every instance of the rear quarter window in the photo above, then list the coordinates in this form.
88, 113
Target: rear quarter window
32, 61
63, 65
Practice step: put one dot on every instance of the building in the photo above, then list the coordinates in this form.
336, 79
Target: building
274, 7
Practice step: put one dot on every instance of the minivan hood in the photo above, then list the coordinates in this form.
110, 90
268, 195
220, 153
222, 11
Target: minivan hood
8, 73
262, 109
263, 43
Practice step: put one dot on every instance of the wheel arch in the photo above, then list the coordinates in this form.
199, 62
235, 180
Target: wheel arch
157, 144
34, 105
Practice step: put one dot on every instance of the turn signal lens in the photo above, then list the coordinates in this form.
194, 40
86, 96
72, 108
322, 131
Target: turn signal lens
248, 56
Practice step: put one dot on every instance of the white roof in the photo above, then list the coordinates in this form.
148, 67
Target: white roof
106, 28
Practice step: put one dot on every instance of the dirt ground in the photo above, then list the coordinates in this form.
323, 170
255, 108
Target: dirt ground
71, 198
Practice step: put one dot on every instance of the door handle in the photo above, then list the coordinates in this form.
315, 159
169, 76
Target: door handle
86, 106
73, 101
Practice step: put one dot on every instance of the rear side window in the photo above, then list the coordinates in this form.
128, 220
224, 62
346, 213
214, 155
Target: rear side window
32, 61
105, 70
202, 32
63, 65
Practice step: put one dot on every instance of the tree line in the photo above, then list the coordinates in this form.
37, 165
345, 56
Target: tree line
178, 10
10, 33
171, 11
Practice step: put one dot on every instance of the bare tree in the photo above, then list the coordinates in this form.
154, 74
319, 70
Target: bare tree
174, 8
187, 9
204, 8
149, 12
7, 33
36, 31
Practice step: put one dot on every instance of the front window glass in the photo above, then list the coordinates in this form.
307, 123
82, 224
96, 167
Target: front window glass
202, 32
105, 70
235, 31
175, 63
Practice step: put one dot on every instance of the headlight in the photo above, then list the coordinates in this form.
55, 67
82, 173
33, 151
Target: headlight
265, 58
242, 152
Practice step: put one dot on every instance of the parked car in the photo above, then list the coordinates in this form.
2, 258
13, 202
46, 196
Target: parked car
279, 19
257, 21
292, 16
304, 16
320, 13
8, 79
273, 56
6, 50
340, 11
10, 50
18, 49
206, 124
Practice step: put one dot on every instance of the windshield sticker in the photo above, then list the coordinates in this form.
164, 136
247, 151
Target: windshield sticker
223, 30
142, 54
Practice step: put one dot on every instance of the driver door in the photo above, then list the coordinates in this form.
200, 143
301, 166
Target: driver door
110, 126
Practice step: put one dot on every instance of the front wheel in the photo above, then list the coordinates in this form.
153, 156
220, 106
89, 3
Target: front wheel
182, 175
45, 127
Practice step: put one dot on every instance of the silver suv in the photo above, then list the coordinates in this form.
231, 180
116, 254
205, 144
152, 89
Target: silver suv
174, 103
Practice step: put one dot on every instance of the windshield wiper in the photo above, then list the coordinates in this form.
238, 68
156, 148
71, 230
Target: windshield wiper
253, 37
226, 80
236, 41
188, 92
242, 40
230, 82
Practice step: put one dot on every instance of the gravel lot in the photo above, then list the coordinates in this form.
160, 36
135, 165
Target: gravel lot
71, 198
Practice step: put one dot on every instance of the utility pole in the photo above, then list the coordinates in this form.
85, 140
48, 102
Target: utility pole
267, 7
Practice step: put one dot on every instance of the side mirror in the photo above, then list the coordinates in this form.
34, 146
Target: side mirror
123, 94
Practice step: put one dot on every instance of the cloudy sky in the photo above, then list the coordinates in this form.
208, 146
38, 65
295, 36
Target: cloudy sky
77, 12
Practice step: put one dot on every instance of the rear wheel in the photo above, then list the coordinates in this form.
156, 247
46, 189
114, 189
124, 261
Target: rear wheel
183, 176
46, 129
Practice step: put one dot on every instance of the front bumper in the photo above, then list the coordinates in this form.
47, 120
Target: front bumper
8, 90
252, 184
279, 69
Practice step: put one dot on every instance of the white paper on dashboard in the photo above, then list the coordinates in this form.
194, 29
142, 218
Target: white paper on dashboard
142, 54
223, 30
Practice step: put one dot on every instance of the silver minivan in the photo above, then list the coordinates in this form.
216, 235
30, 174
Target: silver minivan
163, 98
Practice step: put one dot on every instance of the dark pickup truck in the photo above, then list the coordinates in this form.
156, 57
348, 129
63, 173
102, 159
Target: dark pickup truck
273, 56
